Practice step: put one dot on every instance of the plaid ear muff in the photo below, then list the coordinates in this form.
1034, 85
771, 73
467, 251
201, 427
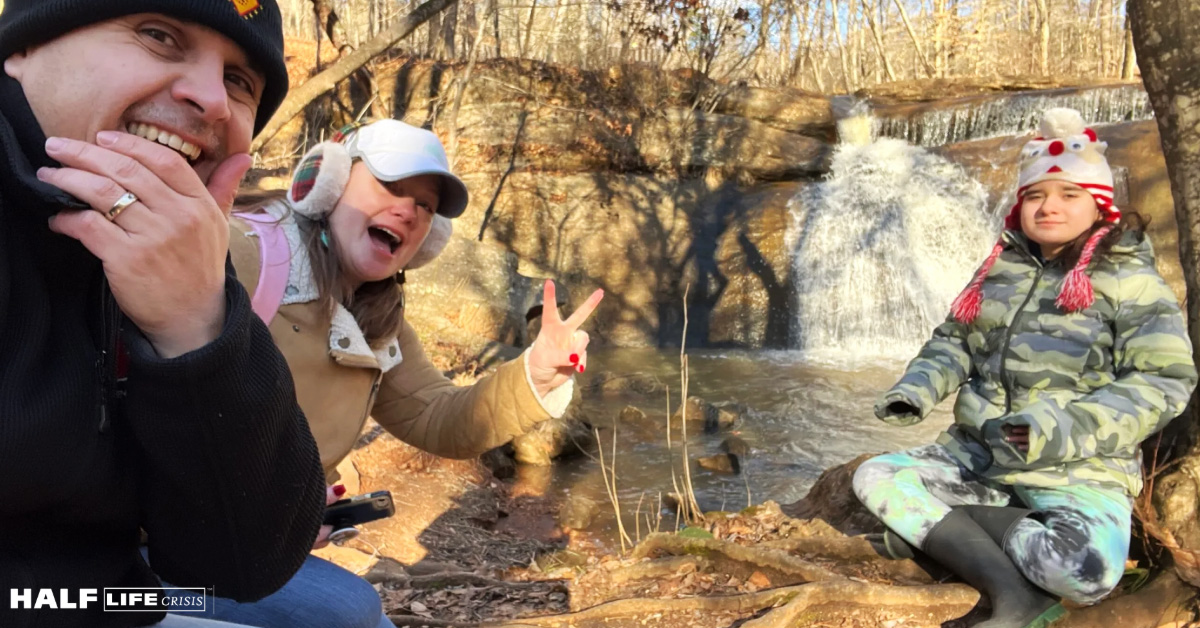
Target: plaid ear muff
319, 180
306, 176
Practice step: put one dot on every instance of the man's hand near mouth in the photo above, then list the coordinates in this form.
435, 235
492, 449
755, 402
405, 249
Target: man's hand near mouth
164, 255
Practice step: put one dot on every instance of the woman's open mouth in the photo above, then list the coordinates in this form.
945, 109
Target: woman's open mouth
385, 238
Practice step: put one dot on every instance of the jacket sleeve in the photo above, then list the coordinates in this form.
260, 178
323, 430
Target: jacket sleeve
420, 406
942, 365
231, 484
1154, 376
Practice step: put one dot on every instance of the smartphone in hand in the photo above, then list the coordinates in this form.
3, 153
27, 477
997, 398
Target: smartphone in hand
344, 514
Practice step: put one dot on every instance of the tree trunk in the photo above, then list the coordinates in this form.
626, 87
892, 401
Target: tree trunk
300, 97
1129, 62
837, 33
449, 28
528, 30
494, 10
1033, 29
939, 38
913, 35
1044, 36
1167, 36
1106, 36
470, 24
332, 25
463, 83
433, 36
887, 65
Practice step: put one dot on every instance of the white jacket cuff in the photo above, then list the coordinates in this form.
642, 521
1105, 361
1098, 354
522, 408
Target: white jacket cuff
556, 401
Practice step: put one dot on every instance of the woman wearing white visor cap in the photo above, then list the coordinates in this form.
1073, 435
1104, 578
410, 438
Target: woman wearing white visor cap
325, 265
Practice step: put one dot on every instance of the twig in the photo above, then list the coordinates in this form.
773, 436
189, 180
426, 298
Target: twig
637, 516
689, 493
616, 497
611, 488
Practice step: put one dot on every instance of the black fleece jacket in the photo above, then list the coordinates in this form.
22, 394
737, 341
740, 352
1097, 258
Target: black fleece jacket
209, 452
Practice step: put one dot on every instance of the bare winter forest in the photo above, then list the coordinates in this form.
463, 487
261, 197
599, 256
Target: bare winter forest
831, 46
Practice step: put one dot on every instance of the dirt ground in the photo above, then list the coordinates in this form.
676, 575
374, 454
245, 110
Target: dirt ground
467, 552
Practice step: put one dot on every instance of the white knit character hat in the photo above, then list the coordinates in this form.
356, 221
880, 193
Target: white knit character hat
1068, 151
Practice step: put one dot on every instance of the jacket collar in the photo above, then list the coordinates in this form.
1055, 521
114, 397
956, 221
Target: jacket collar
1021, 242
347, 344
23, 147
1132, 243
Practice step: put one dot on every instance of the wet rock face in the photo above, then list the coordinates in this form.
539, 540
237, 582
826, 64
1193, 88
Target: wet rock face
630, 414
565, 436
578, 512
720, 463
714, 418
614, 179
636, 384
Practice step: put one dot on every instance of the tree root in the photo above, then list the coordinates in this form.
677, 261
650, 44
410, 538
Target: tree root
417, 621
1164, 601
641, 608
741, 561
467, 579
852, 552
937, 603
660, 568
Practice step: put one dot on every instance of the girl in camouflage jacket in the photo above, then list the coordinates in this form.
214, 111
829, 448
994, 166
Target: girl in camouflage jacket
1067, 350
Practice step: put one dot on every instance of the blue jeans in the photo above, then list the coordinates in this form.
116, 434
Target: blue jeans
320, 595
179, 621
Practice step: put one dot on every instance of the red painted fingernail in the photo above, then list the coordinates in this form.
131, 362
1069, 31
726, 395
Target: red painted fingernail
574, 358
581, 367
339, 490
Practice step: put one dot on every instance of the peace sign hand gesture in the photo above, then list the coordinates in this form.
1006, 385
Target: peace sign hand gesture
560, 349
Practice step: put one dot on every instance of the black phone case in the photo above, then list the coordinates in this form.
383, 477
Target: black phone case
359, 509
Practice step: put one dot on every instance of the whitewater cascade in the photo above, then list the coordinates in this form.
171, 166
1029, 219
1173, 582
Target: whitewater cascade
974, 118
882, 246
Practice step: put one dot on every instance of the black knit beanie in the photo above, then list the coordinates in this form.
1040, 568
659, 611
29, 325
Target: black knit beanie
255, 25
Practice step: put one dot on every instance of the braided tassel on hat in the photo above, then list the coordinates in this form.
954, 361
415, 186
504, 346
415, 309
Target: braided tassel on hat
1076, 293
968, 304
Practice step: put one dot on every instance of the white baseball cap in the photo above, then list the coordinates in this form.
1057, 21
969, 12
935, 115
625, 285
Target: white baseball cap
394, 150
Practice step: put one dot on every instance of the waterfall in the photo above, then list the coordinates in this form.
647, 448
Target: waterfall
882, 246
980, 117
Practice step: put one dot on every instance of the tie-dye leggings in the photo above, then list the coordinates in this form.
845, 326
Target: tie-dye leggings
1073, 545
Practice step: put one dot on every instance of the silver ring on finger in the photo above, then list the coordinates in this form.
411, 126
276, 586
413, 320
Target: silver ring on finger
129, 198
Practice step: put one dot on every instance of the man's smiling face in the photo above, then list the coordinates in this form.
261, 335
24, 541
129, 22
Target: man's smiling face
175, 82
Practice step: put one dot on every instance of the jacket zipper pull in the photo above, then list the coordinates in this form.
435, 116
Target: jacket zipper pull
103, 395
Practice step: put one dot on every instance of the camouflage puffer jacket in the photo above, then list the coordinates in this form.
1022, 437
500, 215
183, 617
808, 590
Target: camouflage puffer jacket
1091, 385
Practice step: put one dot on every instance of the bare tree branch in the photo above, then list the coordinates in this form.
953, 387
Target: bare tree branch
299, 98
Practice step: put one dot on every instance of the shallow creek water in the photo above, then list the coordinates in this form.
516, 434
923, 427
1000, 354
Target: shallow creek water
802, 418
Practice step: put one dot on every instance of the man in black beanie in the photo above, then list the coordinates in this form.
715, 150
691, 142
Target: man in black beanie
137, 388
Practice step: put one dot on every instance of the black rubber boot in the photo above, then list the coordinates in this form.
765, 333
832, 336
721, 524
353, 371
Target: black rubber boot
889, 545
997, 521
964, 547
